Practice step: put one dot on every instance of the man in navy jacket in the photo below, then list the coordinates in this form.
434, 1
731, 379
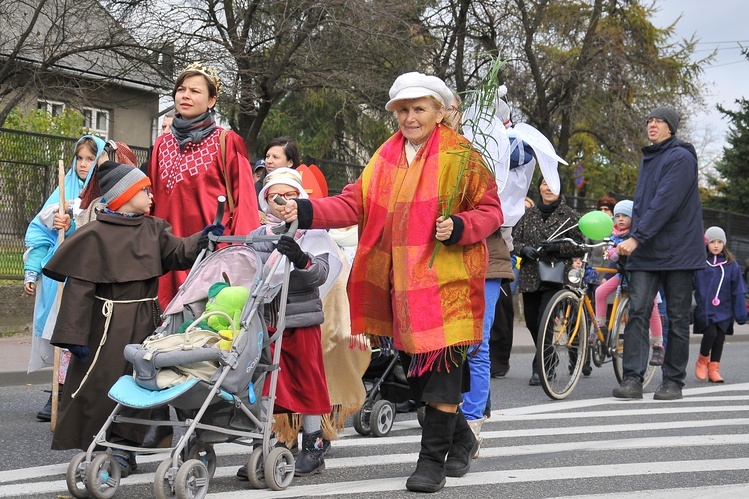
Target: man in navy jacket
666, 246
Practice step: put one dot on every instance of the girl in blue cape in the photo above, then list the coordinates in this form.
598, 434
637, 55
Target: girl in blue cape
41, 244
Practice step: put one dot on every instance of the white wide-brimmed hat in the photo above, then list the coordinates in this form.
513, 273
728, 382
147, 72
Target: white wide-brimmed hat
287, 176
415, 85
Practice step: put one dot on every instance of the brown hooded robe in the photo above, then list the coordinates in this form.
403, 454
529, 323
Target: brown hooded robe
115, 258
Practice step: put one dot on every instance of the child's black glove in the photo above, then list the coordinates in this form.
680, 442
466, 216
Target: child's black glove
287, 246
80, 352
216, 230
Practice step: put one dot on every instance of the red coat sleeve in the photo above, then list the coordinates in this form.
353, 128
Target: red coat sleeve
483, 220
338, 212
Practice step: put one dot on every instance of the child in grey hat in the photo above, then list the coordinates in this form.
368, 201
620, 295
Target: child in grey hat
719, 292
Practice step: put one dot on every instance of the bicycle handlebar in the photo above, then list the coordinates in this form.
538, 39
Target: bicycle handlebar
605, 242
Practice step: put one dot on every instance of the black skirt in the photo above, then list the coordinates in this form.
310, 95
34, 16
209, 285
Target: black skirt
439, 384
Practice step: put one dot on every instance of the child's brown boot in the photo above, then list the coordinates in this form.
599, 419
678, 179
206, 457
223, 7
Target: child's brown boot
700, 369
713, 372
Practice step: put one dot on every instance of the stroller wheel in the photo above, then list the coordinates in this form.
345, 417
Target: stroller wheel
279, 468
382, 418
192, 480
420, 414
164, 480
103, 477
362, 418
75, 477
204, 453
255, 474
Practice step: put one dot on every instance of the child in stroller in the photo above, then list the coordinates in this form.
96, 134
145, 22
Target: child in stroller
302, 387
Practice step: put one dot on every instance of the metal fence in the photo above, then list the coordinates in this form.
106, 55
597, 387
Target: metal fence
28, 174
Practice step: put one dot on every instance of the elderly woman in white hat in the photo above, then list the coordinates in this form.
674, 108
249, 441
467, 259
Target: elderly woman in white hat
424, 204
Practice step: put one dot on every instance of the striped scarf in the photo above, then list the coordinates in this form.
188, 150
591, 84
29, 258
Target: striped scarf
431, 313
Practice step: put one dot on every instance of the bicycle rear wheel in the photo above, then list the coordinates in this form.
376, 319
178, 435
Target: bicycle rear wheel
561, 347
616, 342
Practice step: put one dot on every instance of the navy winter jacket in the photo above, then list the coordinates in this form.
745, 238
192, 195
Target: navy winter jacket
667, 213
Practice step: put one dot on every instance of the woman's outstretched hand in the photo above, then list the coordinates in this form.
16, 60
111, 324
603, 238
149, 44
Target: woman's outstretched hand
289, 211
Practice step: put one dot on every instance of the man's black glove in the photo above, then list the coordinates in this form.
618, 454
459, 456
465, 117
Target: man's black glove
215, 229
552, 247
80, 352
529, 252
287, 246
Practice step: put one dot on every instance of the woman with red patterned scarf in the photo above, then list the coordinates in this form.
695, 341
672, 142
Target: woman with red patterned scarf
188, 173
425, 203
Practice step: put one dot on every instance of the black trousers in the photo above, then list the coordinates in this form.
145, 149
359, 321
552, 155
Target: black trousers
501, 332
534, 304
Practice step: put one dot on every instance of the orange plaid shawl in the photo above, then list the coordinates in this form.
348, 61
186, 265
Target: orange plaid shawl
435, 308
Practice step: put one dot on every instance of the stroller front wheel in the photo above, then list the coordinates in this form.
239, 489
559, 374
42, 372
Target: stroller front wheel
103, 477
382, 418
75, 477
204, 453
192, 480
164, 480
362, 419
255, 474
279, 468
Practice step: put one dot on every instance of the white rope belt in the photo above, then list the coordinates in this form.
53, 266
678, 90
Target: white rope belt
106, 311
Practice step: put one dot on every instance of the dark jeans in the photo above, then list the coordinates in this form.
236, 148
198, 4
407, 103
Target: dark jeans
677, 286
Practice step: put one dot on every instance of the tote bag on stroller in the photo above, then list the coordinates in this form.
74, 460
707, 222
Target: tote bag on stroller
164, 361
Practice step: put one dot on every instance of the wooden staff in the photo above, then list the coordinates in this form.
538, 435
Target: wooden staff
60, 238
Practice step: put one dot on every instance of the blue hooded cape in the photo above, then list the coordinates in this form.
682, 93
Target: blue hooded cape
39, 235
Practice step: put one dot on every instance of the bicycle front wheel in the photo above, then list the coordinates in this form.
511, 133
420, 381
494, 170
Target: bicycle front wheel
562, 342
617, 344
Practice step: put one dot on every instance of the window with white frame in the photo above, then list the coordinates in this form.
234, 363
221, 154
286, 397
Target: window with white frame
52, 107
97, 121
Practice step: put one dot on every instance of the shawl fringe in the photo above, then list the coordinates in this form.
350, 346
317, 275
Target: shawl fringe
437, 359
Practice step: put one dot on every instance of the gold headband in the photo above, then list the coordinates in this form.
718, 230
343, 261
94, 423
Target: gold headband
206, 71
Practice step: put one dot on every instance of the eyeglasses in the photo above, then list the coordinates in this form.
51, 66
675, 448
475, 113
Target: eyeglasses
147, 190
285, 195
453, 109
657, 121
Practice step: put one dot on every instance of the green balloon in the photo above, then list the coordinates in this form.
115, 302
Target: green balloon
596, 225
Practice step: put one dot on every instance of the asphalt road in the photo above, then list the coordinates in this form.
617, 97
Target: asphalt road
589, 445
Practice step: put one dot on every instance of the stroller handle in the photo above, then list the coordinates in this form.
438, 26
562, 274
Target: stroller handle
219, 210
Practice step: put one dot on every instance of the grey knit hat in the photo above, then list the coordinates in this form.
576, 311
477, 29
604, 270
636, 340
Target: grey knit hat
119, 183
713, 233
667, 114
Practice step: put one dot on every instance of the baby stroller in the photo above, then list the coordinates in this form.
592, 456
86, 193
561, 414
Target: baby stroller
228, 406
386, 385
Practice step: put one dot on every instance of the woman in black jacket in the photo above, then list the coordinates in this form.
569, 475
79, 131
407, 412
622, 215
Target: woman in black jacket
538, 224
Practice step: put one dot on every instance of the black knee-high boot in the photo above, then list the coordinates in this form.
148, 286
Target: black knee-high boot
464, 447
436, 440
